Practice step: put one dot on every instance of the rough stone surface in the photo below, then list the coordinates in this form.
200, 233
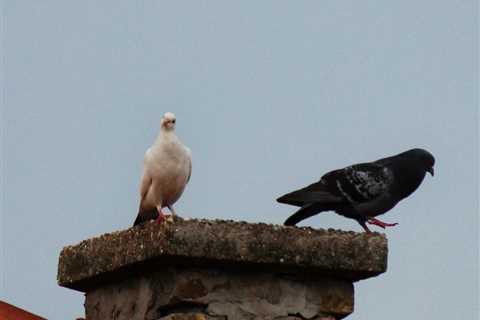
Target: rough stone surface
194, 294
113, 257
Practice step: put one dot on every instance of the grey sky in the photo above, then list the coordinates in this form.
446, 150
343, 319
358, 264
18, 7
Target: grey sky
269, 95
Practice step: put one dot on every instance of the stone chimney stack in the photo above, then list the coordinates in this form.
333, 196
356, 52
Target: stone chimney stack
225, 270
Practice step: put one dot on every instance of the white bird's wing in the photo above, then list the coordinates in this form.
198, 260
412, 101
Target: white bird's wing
146, 178
189, 153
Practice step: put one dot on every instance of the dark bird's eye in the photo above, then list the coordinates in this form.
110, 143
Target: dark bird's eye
173, 121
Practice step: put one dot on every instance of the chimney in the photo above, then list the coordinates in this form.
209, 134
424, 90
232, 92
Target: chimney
222, 270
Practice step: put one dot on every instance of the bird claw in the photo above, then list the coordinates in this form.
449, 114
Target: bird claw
161, 217
169, 218
381, 224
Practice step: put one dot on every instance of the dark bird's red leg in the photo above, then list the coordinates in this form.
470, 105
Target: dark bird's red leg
381, 224
364, 226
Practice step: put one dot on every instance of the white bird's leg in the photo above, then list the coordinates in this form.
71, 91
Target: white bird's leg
161, 215
172, 210
171, 217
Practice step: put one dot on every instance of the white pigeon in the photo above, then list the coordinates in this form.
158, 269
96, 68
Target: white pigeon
166, 171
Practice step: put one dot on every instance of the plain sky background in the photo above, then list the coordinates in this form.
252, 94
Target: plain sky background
269, 95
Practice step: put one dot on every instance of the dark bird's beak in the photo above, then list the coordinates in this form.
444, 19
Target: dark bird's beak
430, 170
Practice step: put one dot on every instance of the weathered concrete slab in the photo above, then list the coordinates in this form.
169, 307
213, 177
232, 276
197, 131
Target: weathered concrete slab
222, 244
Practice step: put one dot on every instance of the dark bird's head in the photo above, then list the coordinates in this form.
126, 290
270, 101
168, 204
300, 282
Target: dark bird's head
423, 158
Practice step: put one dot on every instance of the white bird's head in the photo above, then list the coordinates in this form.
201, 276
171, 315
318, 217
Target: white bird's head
168, 121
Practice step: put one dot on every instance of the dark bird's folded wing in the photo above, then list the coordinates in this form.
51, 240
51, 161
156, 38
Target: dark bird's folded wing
355, 184
359, 183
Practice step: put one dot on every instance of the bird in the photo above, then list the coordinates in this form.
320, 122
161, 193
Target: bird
363, 191
167, 168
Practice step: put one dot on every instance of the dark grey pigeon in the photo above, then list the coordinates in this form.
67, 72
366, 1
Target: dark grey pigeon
363, 191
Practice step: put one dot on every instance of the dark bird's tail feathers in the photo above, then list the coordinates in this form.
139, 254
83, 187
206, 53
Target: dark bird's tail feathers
300, 198
307, 211
315, 192
144, 216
